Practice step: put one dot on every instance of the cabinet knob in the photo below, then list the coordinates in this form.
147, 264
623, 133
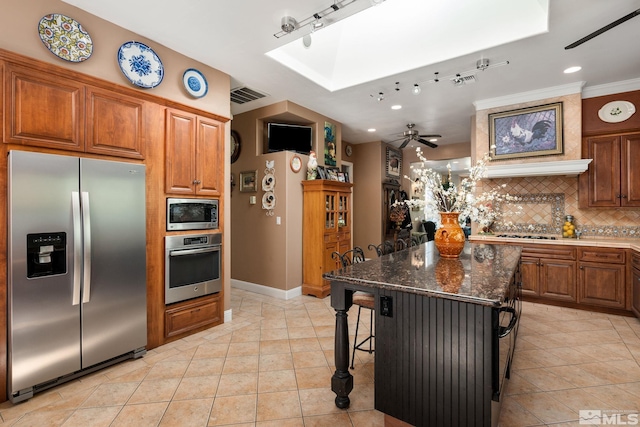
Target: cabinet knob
624, 196
196, 181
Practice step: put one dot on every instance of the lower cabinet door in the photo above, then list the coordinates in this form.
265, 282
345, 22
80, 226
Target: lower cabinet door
601, 284
558, 279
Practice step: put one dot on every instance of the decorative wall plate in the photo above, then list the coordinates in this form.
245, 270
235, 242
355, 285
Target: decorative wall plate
268, 200
195, 83
616, 111
65, 37
268, 182
236, 146
296, 163
140, 64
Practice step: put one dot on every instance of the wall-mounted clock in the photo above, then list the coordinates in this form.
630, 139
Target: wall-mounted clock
235, 146
348, 150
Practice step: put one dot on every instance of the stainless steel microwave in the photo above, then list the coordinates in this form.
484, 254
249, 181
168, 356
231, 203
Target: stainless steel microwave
192, 214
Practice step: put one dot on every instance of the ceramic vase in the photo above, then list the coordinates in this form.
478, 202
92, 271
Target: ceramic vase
449, 238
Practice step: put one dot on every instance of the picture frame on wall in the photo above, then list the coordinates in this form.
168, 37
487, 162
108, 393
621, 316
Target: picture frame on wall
248, 181
526, 132
393, 166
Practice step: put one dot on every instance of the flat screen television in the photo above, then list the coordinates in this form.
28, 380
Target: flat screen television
281, 137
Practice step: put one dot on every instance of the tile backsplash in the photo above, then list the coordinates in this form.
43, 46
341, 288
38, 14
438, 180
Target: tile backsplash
546, 200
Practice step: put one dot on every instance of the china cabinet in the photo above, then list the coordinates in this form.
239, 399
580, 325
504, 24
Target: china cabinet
326, 228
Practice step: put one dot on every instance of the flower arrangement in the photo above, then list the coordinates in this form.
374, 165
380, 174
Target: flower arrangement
445, 196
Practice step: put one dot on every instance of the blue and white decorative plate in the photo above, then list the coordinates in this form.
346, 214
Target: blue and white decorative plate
65, 37
140, 64
195, 83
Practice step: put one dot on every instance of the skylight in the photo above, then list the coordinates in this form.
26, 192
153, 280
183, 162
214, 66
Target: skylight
402, 35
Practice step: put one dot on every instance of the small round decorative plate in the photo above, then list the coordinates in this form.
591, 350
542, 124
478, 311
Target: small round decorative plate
195, 83
296, 163
268, 200
65, 37
268, 182
616, 111
140, 64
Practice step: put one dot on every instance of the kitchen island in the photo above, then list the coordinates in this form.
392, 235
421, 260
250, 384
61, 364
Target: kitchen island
445, 332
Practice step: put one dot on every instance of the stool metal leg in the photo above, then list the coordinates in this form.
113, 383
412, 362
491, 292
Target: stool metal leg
355, 339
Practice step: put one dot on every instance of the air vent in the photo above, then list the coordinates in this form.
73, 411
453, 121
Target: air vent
459, 80
241, 95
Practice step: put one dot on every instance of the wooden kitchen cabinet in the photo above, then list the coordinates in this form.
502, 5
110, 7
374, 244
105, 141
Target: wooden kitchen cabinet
549, 272
192, 315
635, 283
601, 277
52, 111
326, 228
115, 124
42, 109
194, 154
613, 177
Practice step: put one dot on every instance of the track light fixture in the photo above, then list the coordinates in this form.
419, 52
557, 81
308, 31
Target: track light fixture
416, 89
289, 24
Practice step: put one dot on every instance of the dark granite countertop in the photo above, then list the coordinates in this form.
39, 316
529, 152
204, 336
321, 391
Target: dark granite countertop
481, 275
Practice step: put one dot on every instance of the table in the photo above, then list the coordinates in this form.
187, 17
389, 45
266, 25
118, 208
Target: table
445, 331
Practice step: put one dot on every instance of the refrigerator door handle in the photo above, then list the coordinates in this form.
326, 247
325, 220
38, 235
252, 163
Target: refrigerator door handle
77, 246
86, 221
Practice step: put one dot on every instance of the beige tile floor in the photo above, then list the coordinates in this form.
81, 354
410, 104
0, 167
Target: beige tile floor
271, 366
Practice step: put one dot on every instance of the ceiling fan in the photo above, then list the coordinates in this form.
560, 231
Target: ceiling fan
603, 29
413, 135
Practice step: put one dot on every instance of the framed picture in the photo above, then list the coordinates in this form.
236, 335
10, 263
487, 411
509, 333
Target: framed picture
394, 163
322, 173
329, 144
248, 181
341, 177
527, 132
332, 173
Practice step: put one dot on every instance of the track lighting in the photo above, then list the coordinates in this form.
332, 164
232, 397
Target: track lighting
289, 24
416, 89
379, 97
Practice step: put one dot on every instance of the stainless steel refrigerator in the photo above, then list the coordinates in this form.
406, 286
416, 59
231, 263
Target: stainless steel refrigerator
76, 270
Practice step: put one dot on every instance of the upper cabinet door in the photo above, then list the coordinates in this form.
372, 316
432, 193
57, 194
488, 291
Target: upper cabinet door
601, 182
180, 152
209, 157
115, 124
630, 171
43, 109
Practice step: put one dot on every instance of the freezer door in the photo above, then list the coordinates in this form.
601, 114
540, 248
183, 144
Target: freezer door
114, 309
44, 323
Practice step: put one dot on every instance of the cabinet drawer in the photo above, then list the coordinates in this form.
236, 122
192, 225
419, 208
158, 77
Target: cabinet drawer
549, 251
615, 256
192, 316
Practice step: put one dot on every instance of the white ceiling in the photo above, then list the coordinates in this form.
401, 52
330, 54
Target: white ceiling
233, 37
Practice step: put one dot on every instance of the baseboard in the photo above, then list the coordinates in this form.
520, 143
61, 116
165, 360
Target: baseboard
266, 290
228, 315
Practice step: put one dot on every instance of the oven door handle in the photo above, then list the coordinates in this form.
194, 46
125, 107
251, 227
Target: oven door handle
194, 251
504, 331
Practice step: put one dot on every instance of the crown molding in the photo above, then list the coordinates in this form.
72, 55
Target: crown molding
534, 95
611, 88
561, 167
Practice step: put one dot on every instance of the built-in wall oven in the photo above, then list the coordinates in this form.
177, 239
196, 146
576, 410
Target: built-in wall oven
192, 266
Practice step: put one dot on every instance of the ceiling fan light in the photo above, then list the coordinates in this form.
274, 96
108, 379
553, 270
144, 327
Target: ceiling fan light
416, 89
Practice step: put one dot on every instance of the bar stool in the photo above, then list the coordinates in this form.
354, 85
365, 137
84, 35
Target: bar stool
361, 299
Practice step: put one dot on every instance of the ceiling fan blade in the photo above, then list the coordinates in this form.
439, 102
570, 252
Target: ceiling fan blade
603, 29
404, 144
427, 143
430, 136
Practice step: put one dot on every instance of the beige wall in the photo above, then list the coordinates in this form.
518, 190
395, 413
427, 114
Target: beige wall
368, 164
18, 33
263, 252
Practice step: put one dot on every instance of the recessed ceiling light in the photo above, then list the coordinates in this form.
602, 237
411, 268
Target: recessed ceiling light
396, 107
371, 130
572, 70
433, 139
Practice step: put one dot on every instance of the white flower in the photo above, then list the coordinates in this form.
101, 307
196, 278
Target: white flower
447, 197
